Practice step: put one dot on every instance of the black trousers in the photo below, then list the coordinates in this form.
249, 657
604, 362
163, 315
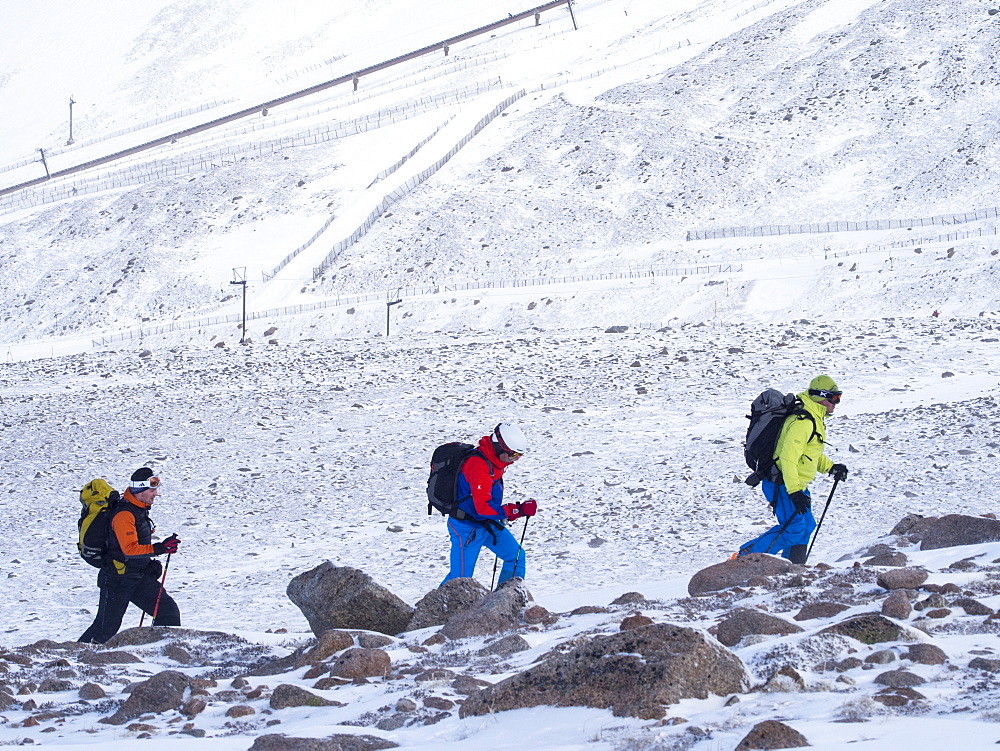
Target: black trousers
117, 591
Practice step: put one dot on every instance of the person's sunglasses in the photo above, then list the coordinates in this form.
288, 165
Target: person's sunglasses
831, 396
514, 454
152, 482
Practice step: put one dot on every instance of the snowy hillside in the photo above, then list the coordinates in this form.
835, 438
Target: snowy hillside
520, 195
638, 128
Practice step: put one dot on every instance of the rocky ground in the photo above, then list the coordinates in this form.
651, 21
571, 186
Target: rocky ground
905, 628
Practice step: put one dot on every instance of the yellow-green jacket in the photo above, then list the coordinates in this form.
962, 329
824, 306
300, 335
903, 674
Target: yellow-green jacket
799, 451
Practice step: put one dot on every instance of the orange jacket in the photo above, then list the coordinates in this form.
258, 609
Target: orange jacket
133, 535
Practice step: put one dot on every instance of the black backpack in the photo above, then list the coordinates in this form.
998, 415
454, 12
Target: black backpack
442, 484
768, 413
98, 500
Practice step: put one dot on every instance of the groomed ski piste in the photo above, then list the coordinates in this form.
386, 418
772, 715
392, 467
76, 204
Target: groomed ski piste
310, 442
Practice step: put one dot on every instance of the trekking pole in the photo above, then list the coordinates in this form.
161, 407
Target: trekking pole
156, 605
520, 543
520, 547
836, 481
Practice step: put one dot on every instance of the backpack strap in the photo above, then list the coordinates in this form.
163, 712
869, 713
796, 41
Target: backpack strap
802, 413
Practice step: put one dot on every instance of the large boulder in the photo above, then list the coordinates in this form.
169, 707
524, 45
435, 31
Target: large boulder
634, 673
745, 621
958, 529
451, 598
738, 572
499, 611
161, 693
338, 597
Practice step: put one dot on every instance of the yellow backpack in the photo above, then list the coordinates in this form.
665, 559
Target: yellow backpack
97, 499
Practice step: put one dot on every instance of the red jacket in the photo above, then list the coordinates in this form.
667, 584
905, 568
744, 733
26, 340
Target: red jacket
480, 484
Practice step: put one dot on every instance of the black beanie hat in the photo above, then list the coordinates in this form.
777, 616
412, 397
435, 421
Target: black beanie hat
141, 475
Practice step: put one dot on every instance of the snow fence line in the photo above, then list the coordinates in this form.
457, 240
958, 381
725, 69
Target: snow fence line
150, 171
262, 108
768, 230
409, 292
405, 188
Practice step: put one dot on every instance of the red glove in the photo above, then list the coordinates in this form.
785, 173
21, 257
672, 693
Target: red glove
517, 510
512, 511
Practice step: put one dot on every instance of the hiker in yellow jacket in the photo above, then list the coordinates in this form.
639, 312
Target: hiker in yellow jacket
799, 456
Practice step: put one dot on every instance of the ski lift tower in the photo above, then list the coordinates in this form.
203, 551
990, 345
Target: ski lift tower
240, 278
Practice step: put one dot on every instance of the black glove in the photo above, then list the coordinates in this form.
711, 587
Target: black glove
154, 569
801, 501
839, 472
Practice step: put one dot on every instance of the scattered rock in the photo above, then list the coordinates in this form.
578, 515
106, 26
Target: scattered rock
110, 657
746, 621
869, 628
193, 706
898, 679
536, 614
772, 734
635, 621
329, 643
162, 692
985, 664
374, 641
54, 685
931, 601
631, 672
506, 646
589, 610
938, 613
738, 572
439, 703
899, 696
926, 654
629, 598
177, 653
286, 695
451, 598
332, 597
897, 605
819, 610
359, 662
88, 692
498, 612
902, 578
467, 684
881, 657
240, 710
894, 558
972, 607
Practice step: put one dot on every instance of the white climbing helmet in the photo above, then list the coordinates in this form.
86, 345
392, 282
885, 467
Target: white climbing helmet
509, 438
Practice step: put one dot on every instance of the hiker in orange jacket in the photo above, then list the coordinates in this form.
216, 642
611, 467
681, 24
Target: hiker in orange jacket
129, 573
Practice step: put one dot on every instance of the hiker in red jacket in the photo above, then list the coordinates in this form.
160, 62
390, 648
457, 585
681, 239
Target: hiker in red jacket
481, 510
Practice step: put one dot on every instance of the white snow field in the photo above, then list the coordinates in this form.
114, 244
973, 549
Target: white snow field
758, 191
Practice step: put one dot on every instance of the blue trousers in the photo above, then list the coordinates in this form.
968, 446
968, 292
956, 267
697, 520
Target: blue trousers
792, 528
468, 538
